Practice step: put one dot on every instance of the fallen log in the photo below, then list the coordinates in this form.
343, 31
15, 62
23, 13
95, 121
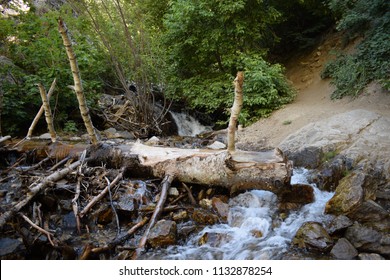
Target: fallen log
238, 171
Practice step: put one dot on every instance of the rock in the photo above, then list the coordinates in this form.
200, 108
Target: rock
69, 222
367, 239
205, 203
360, 136
112, 133
344, 250
180, 216
105, 216
204, 217
126, 201
216, 145
298, 193
338, 224
163, 234
173, 191
369, 212
370, 257
11, 249
312, 235
45, 136
221, 208
348, 196
153, 141
214, 239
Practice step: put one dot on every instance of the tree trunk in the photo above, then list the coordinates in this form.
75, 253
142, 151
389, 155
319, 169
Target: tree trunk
237, 171
78, 87
235, 111
48, 115
40, 112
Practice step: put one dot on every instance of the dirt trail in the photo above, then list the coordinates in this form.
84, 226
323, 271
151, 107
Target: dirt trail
313, 101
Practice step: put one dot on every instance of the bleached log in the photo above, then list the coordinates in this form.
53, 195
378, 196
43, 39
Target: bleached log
237, 171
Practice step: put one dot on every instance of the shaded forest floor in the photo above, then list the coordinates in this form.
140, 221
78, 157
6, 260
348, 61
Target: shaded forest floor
313, 101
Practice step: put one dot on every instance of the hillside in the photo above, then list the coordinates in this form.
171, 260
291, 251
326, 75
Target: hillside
313, 100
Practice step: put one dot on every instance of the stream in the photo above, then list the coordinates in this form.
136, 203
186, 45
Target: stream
255, 229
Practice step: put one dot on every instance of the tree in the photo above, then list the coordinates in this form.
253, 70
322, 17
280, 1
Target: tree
209, 41
130, 46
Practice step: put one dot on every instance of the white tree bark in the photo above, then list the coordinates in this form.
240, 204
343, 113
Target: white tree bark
48, 115
78, 87
237, 171
235, 111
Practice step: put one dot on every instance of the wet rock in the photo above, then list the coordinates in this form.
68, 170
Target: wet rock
221, 208
349, 195
204, 217
205, 203
105, 216
69, 222
65, 205
344, 250
298, 193
180, 216
185, 229
339, 223
11, 249
370, 257
312, 235
214, 239
163, 234
126, 201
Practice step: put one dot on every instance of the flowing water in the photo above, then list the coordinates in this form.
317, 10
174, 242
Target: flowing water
254, 230
188, 125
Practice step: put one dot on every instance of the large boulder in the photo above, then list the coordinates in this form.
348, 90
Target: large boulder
344, 250
312, 235
358, 135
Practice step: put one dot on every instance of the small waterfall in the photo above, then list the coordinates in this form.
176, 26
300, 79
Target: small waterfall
254, 229
188, 125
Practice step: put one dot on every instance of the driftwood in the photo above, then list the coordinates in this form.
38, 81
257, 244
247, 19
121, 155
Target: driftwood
166, 183
237, 171
33, 191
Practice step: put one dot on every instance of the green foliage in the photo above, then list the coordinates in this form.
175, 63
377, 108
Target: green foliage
209, 41
33, 43
371, 61
70, 127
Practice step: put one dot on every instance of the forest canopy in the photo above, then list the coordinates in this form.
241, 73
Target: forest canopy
187, 51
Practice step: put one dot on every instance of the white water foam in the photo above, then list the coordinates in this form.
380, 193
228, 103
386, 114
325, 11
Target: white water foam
188, 125
252, 213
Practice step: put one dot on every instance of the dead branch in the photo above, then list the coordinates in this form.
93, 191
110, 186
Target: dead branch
235, 111
166, 183
75, 205
41, 230
35, 190
190, 196
61, 162
48, 115
112, 207
101, 194
5, 138
122, 238
40, 112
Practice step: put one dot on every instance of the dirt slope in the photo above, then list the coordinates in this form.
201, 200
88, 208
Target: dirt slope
313, 101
